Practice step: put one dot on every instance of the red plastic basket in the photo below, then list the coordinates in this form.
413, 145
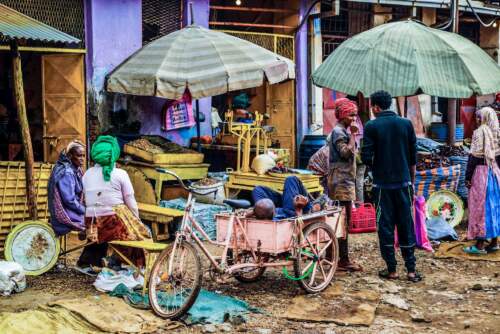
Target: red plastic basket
363, 219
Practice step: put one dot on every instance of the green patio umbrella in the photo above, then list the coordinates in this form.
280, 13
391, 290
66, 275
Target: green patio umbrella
408, 58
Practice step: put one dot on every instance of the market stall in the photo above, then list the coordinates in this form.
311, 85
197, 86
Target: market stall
171, 67
408, 58
38, 114
152, 152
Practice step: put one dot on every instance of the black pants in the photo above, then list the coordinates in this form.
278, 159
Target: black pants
92, 255
394, 209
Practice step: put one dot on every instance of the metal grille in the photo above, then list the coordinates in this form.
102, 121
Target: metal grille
159, 18
66, 16
280, 44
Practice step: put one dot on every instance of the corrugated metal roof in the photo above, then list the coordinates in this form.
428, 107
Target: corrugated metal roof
479, 6
14, 25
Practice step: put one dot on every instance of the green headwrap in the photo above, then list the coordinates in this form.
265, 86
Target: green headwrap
105, 152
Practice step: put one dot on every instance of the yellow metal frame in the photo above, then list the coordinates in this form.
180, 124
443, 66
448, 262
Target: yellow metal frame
274, 36
246, 132
151, 251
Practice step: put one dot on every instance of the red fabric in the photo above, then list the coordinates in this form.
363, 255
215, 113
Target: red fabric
345, 108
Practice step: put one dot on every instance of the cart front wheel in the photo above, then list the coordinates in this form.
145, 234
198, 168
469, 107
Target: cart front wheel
318, 257
172, 293
249, 275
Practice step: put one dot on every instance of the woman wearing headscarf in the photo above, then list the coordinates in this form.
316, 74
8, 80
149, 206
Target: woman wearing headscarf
111, 210
483, 179
66, 191
342, 174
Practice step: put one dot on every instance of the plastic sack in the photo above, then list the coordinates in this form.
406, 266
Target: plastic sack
262, 163
438, 228
12, 278
108, 280
421, 238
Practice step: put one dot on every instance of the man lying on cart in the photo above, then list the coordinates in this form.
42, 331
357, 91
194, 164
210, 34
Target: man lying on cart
295, 201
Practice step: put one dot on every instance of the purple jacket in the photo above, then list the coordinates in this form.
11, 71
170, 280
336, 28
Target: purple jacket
65, 197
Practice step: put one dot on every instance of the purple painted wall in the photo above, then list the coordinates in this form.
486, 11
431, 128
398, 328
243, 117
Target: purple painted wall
151, 107
114, 32
302, 90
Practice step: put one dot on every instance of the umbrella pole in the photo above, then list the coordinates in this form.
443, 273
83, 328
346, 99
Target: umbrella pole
198, 140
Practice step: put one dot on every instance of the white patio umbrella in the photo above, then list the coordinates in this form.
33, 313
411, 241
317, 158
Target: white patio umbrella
206, 62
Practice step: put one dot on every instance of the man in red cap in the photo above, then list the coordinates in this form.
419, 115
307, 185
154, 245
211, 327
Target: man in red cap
342, 174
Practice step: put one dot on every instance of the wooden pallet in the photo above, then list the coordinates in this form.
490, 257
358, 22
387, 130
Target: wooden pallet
248, 181
13, 204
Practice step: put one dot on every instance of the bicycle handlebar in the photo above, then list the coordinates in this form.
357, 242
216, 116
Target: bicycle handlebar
183, 185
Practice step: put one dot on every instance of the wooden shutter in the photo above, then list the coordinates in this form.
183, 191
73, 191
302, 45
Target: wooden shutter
63, 102
280, 105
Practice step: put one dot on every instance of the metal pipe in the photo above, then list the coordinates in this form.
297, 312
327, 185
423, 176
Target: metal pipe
254, 25
198, 130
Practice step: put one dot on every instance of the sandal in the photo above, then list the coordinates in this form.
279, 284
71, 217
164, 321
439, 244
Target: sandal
492, 249
349, 266
417, 277
385, 274
473, 250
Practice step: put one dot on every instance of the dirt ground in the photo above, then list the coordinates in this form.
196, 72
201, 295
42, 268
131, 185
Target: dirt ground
455, 297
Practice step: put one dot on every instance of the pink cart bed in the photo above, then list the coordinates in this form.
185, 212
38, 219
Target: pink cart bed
275, 236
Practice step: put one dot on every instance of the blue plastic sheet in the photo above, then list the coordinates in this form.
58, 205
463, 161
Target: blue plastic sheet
438, 228
204, 214
427, 145
209, 307
462, 190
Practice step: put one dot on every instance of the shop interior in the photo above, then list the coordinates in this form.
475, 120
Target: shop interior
11, 148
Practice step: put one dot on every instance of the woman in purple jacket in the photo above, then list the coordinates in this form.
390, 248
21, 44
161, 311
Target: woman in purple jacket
66, 191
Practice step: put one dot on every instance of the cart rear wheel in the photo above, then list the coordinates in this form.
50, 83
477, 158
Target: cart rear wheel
249, 275
171, 296
319, 251
34, 246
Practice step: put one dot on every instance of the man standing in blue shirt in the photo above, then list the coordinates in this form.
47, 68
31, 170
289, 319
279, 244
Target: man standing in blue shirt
389, 148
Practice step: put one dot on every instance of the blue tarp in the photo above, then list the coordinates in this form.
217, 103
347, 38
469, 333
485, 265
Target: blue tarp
209, 307
203, 213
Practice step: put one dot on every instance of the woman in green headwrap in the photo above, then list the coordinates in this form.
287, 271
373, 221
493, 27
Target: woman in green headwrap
111, 210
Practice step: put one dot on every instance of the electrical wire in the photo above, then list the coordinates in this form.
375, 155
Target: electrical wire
479, 18
304, 19
451, 21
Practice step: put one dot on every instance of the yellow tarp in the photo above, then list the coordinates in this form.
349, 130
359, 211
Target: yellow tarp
91, 315
456, 250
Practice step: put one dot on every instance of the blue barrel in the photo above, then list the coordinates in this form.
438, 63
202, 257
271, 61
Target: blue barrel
310, 145
439, 132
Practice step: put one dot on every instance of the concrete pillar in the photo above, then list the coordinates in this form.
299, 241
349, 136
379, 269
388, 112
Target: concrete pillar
316, 54
302, 91
381, 15
429, 16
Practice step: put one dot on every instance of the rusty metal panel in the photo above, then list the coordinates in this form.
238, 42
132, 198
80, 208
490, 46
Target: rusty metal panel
18, 25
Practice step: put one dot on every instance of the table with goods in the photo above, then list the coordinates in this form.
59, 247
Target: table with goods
149, 153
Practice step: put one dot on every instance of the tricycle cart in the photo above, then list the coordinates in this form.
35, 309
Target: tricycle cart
309, 243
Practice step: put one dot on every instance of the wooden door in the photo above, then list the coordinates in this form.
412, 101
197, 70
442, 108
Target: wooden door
280, 105
63, 89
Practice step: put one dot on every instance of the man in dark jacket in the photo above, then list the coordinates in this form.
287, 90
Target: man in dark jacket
389, 148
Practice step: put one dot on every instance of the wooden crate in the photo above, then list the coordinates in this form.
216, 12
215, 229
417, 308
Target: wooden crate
164, 158
13, 203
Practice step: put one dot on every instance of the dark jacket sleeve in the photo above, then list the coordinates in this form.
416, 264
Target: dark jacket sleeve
66, 186
412, 159
368, 147
472, 163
